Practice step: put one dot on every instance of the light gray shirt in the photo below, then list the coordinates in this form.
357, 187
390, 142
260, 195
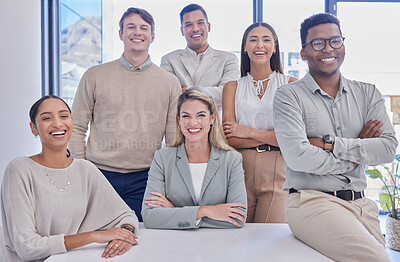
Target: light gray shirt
302, 109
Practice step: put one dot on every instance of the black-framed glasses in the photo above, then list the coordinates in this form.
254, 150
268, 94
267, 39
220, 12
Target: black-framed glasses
319, 44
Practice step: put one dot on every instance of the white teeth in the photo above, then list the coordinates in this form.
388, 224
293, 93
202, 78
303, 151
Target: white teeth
137, 40
330, 59
194, 36
259, 53
58, 133
194, 130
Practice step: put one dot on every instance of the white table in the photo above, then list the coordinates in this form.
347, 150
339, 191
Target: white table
253, 242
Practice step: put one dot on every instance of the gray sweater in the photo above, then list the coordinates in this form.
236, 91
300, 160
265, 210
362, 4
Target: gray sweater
36, 215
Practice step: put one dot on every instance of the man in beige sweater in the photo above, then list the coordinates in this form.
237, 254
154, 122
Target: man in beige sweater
130, 104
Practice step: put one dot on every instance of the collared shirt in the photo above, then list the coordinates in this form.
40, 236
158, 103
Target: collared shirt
302, 109
197, 57
143, 66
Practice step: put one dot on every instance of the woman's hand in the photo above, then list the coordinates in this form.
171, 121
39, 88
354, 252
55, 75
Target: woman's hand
225, 212
114, 234
115, 248
158, 200
232, 129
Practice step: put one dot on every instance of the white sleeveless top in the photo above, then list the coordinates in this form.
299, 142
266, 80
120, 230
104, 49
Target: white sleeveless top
250, 110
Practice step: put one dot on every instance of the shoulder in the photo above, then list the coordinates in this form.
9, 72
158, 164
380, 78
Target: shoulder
84, 164
173, 54
163, 75
223, 53
166, 152
230, 155
19, 163
358, 84
362, 89
19, 170
102, 68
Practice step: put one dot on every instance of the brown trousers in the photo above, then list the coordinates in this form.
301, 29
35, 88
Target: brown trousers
264, 177
341, 230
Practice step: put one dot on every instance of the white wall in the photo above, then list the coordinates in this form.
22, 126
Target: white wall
20, 77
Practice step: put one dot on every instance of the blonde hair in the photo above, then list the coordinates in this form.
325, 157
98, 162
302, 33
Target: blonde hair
216, 136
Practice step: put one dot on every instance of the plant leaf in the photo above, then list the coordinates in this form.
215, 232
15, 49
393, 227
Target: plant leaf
373, 173
385, 199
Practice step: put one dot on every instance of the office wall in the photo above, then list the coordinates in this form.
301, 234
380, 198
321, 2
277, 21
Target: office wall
20, 77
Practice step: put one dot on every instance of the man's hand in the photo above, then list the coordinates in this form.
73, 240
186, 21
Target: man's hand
371, 129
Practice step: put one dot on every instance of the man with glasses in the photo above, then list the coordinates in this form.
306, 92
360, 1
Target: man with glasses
199, 64
329, 128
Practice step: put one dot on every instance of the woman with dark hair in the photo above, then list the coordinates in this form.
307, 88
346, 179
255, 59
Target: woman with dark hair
52, 203
198, 181
249, 123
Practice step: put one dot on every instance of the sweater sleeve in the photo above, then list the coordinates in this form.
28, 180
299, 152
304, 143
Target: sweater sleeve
105, 208
170, 128
19, 222
82, 114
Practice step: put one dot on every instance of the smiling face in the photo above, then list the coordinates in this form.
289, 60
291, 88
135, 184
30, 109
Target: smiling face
136, 34
53, 124
195, 120
327, 62
195, 29
260, 45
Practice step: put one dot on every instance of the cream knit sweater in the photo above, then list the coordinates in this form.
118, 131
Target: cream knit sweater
129, 113
36, 216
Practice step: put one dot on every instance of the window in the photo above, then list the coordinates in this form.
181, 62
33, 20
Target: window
285, 17
372, 53
80, 42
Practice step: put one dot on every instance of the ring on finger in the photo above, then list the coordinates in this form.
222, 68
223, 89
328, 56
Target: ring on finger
162, 203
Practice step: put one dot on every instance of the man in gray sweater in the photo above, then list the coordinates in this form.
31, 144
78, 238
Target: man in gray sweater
130, 105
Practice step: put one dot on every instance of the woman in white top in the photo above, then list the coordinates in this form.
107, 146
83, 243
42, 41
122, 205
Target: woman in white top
198, 181
52, 203
249, 123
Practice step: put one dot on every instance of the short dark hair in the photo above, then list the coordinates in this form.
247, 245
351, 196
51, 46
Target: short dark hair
190, 8
146, 16
314, 20
35, 107
275, 60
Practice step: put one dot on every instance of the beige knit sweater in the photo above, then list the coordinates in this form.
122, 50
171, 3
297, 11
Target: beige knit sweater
129, 113
36, 216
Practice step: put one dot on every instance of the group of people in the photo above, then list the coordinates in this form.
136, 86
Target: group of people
285, 150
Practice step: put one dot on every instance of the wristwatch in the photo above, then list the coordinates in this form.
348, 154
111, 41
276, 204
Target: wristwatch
128, 227
328, 140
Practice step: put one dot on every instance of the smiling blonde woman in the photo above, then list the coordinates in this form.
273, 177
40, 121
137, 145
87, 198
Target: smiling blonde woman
197, 182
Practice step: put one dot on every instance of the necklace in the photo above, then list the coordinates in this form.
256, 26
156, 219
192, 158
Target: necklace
60, 188
258, 86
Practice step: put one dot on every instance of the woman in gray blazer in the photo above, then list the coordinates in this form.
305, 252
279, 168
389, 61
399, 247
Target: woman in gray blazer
199, 180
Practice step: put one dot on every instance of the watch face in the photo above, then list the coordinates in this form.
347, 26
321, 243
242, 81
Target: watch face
329, 139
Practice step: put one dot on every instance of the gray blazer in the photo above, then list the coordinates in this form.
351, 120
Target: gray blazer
170, 175
215, 70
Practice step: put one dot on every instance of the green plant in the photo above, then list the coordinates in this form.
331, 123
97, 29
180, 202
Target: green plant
390, 197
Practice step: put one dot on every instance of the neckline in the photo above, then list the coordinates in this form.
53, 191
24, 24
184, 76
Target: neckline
51, 168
